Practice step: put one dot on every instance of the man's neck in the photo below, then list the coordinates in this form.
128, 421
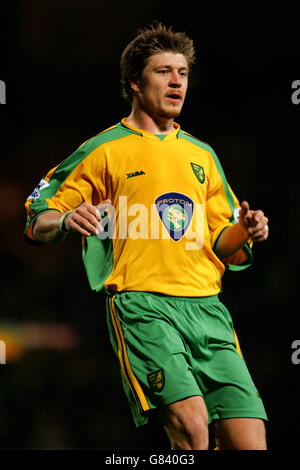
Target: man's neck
144, 121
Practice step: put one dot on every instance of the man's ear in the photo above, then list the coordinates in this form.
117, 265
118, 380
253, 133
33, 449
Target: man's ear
135, 86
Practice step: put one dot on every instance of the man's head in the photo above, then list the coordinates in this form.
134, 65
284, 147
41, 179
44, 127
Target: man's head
154, 48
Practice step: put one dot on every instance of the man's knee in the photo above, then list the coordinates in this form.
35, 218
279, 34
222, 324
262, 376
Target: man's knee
189, 432
240, 434
186, 424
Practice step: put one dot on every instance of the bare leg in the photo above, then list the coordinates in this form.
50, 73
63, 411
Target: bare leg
240, 434
185, 422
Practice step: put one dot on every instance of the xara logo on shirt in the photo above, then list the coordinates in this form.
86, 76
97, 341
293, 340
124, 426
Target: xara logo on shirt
135, 173
175, 211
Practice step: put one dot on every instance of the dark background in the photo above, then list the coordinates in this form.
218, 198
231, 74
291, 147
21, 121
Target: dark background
60, 387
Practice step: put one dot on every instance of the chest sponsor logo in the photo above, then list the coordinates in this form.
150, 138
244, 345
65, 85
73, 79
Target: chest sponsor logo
176, 212
199, 172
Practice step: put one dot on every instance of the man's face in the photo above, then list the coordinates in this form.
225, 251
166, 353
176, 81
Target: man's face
162, 88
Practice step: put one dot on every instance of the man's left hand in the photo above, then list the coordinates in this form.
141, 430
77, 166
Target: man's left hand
255, 222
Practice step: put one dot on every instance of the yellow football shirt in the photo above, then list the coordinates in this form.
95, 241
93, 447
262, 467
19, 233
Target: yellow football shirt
170, 202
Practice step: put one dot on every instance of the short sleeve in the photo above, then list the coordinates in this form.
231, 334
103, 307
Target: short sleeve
80, 178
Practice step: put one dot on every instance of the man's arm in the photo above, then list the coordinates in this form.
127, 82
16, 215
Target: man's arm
46, 228
252, 225
85, 219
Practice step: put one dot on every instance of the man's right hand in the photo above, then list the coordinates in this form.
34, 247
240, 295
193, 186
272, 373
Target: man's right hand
86, 219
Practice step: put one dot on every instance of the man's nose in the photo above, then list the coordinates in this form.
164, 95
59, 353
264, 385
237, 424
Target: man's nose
175, 79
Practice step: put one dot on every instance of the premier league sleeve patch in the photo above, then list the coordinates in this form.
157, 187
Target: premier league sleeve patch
175, 211
37, 191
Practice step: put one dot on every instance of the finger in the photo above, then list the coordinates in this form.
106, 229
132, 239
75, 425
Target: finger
261, 235
90, 214
245, 205
261, 238
244, 208
89, 211
258, 215
89, 226
94, 211
106, 204
77, 228
245, 213
106, 201
259, 225
257, 219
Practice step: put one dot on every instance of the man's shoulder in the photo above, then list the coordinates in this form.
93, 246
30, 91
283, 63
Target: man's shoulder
196, 141
115, 132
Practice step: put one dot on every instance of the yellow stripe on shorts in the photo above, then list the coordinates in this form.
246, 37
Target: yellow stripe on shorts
238, 348
131, 379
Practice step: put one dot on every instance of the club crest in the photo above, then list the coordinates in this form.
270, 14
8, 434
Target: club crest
199, 172
175, 211
156, 380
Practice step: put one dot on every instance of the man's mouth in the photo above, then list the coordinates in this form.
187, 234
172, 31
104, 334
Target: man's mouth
176, 97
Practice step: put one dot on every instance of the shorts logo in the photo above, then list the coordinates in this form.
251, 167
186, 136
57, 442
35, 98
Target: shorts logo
36, 192
175, 211
199, 172
156, 380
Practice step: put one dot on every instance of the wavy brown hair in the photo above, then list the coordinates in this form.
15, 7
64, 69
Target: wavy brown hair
151, 40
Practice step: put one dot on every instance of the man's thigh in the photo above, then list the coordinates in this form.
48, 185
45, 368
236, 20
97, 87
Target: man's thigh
240, 434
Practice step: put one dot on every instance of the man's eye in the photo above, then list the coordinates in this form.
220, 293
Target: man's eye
163, 72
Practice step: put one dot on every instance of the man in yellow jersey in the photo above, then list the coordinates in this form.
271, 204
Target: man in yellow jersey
159, 224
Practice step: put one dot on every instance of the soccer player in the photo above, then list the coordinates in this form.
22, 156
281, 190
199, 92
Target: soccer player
159, 224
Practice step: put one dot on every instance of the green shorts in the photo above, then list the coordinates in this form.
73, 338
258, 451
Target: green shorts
171, 348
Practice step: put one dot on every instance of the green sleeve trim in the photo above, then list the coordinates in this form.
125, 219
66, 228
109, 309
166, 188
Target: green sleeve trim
237, 267
61, 225
28, 225
246, 264
218, 239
